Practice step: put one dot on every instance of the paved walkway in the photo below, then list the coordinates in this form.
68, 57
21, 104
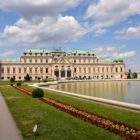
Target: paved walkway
8, 129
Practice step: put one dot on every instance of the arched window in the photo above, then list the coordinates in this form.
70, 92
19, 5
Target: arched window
69, 72
62, 72
56, 72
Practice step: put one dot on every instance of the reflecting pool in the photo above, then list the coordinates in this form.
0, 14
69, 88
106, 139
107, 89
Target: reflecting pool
125, 91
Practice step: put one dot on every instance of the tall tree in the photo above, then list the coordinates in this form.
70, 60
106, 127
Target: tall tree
27, 77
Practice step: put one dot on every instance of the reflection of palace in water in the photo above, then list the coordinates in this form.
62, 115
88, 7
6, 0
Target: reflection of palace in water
57, 64
108, 89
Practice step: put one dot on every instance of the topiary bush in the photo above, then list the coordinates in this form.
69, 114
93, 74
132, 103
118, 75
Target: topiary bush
11, 84
44, 81
37, 93
18, 84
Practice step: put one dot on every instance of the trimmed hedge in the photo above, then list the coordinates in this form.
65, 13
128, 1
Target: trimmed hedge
37, 93
18, 84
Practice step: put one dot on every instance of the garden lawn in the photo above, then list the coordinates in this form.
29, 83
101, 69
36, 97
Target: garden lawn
122, 115
5, 83
8, 82
53, 124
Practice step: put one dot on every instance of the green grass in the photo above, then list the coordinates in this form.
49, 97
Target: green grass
5, 83
8, 82
53, 124
125, 116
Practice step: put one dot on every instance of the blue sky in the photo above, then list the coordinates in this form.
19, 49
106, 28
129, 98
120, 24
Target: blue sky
110, 28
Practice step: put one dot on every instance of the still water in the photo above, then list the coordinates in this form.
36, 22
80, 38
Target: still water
125, 91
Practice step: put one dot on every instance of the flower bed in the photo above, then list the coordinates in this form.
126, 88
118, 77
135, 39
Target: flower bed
118, 128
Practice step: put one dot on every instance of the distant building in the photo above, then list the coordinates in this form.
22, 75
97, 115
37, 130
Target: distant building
138, 75
57, 64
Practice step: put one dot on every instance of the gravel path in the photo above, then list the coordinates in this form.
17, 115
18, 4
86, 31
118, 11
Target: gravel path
8, 128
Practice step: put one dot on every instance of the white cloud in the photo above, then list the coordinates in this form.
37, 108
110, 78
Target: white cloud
127, 54
41, 22
129, 33
106, 51
43, 30
107, 13
99, 49
7, 54
100, 31
110, 49
31, 8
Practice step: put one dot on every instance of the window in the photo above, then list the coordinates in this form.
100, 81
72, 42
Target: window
35, 70
107, 69
98, 69
35, 60
14, 70
25, 70
46, 70
8, 70
46, 60
93, 69
30, 60
74, 69
30, 70
19, 70
84, 70
74, 60
80, 70
41, 61
2, 70
41, 70
103, 70
121, 69
89, 70
111, 69
116, 69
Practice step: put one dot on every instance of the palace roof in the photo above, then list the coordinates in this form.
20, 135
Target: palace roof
36, 51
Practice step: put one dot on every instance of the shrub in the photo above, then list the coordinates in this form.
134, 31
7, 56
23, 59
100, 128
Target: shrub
18, 84
44, 81
37, 93
11, 84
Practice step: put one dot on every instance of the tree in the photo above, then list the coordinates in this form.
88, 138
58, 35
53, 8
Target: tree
129, 74
27, 77
135, 75
12, 79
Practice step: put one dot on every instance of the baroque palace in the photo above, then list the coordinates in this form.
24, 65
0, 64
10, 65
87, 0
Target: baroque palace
57, 64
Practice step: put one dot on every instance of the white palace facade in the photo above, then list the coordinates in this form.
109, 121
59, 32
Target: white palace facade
57, 64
